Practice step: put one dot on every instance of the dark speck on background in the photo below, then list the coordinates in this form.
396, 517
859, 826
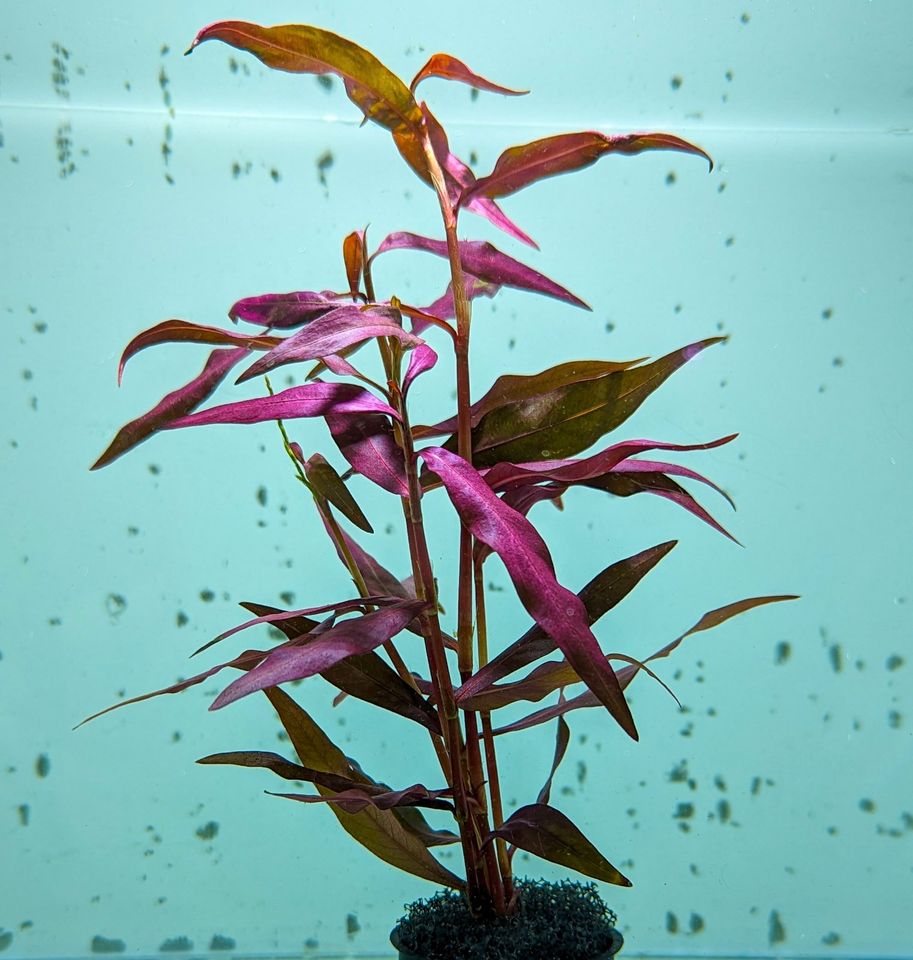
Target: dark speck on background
776, 932
6, 938
352, 925
42, 765
676, 82
107, 945
176, 945
324, 162
221, 942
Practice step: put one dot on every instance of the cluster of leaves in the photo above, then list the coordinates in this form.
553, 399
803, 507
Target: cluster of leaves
517, 445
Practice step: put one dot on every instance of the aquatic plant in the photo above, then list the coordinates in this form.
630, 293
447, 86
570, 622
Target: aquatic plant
503, 453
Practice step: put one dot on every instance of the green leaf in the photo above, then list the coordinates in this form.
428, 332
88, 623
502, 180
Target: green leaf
373, 88
327, 483
548, 833
562, 421
388, 836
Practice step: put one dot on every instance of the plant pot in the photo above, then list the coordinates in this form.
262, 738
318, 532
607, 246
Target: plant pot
404, 954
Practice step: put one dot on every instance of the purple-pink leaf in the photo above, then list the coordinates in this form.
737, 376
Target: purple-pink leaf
518, 167
368, 443
449, 68
174, 331
279, 616
173, 405
350, 637
483, 260
285, 310
423, 358
548, 833
558, 611
342, 400
505, 476
332, 333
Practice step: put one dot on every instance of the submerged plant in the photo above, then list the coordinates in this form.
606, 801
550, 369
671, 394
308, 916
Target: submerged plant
515, 446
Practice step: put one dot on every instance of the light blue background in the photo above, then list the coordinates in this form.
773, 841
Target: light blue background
798, 246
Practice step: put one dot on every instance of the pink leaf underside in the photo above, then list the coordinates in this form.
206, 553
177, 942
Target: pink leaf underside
175, 331
309, 400
447, 67
355, 800
423, 358
520, 166
707, 622
332, 333
349, 637
459, 177
173, 405
555, 608
369, 445
546, 832
286, 310
485, 261
505, 476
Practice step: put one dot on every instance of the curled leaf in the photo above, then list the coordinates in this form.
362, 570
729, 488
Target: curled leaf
449, 68
284, 310
518, 167
174, 331
353, 255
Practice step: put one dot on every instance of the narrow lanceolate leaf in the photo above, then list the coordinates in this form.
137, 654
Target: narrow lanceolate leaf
353, 255
296, 48
285, 310
333, 333
244, 661
518, 167
174, 331
563, 421
560, 613
346, 639
349, 794
548, 833
642, 476
309, 400
327, 483
368, 443
365, 676
605, 591
562, 739
449, 68
173, 405
712, 619
483, 260
513, 389
398, 836
504, 476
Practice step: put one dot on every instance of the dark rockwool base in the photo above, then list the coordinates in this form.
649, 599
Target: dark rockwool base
554, 921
